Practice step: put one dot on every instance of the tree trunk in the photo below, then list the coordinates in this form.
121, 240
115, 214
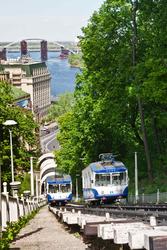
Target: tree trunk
156, 136
140, 106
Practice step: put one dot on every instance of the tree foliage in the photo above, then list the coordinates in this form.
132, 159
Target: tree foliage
61, 106
23, 135
105, 117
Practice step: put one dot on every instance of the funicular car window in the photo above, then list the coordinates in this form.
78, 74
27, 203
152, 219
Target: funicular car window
65, 188
102, 179
118, 178
54, 188
123, 178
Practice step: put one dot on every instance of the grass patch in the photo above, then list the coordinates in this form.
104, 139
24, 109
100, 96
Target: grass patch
13, 228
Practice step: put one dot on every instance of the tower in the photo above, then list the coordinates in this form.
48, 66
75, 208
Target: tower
24, 50
3, 54
44, 50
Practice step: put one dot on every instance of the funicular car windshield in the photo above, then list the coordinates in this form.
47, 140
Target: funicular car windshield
65, 188
102, 179
118, 178
108, 179
53, 188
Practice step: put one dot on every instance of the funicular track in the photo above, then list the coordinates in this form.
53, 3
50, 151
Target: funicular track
117, 226
142, 212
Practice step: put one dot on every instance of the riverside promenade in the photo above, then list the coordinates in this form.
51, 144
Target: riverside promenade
44, 232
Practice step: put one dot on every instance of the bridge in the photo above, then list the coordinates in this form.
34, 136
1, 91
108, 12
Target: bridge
47, 169
29, 39
43, 48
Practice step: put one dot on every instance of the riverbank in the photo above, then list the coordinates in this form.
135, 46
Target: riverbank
76, 61
63, 76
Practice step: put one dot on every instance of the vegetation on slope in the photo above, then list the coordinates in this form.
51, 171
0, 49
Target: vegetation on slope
25, 141
106, 117
64, 103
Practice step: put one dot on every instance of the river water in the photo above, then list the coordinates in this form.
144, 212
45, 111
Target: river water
63, 76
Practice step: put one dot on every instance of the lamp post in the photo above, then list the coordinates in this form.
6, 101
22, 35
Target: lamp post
136, 179
0, 204
37, 192
11, 123
32, 176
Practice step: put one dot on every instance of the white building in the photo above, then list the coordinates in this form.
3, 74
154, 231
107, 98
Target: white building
33, 78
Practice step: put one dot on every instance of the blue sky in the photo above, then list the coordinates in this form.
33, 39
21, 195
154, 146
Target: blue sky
54, 20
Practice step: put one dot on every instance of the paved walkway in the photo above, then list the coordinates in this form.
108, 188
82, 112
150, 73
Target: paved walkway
44, 232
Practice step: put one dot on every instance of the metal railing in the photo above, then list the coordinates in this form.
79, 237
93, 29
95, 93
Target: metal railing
154, 198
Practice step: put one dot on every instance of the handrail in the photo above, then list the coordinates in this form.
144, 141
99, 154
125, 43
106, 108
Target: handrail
13, 207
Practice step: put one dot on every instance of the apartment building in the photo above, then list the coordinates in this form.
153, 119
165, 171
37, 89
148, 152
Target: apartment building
33, 78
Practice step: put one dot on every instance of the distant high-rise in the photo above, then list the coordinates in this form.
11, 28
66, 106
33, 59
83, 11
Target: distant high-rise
33, 78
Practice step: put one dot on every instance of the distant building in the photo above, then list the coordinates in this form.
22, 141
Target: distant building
4, 76
33, 78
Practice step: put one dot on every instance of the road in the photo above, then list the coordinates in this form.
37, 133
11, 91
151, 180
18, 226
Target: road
48, 142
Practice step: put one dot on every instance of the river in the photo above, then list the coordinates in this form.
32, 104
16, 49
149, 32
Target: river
63, 76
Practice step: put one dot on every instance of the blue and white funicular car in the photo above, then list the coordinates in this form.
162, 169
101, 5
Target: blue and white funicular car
59, 190
105, 181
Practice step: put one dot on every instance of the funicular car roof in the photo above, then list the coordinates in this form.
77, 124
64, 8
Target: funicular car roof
66, 179
106, 167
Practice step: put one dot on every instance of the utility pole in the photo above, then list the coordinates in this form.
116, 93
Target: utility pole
76, 186
37, 192
11, 123
136, 180
76, 189
11, 153
32, 176
0, 201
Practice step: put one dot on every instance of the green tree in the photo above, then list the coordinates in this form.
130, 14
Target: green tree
107, 116
150, 75
61, 106
23, 134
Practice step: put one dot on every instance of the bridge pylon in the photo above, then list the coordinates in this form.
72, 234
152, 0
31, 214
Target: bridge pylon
3, 54
23, 47
44, 50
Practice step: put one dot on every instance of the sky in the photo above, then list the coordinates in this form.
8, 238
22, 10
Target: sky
53, 20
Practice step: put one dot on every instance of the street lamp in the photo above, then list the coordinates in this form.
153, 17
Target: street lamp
0, 203
32, 176
36, 182
11, 123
